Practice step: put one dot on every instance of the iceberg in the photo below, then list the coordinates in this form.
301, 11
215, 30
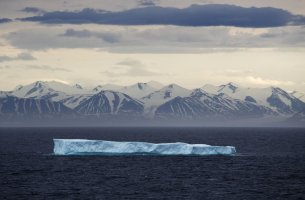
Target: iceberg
102, 147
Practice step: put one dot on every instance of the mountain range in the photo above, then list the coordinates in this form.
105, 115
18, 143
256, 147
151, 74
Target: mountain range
150, 101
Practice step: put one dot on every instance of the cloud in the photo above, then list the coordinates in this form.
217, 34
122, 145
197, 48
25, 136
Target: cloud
134, 68
21, 56
262, 81
147, 2
5, 20
164, 39
25, 56
5, 67
235, 72
105, 36
195, 15
33, 10
46, 68
248, 77
35, 67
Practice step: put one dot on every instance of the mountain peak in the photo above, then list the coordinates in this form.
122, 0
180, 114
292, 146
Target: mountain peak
293, 92
138, 90
18, 87
39, 84
78, 86
97, 88
155, 84
150, 84
231, 86
173, 85
111, 87
141, 85
198, 92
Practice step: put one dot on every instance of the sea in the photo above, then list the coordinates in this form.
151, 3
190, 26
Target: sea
269, 164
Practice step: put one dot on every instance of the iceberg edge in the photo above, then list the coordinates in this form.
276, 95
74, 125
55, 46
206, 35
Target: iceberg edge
103, 147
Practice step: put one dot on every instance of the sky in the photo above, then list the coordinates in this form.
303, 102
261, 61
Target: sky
192, 43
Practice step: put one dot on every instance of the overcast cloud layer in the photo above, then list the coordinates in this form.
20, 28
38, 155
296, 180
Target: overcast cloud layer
171, 39
193, 42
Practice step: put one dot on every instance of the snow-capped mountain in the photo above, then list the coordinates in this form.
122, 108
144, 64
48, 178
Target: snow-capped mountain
227, 88
44, 89
11, 106
78, 86
272, 97
151, 100
201, 104
110, 102
105, 87
71, 96
155, 84
159, 97
73, 101
140, 90
39, 90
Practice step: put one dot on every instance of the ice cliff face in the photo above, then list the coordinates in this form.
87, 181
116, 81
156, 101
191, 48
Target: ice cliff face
90, 147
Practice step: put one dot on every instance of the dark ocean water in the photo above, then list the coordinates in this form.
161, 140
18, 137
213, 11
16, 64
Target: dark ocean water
270, 165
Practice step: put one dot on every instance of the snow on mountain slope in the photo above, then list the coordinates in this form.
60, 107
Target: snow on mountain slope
227, 88
4, 94
38, 89
167, 93
284, 102
139, 90
272, 97
44, 89
228, 100
110, 102
155, 84
299, 95
71, 96
110, 87
11, 106
212, 89
73, 101
78, 87
202, 104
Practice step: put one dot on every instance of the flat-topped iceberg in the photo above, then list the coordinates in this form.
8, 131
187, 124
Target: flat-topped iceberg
102, 147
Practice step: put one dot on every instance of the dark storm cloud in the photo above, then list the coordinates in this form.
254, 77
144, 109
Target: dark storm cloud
4, 20
195, 15
32, 10
21, 56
